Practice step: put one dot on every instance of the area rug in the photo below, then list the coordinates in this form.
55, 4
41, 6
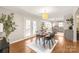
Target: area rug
39, 48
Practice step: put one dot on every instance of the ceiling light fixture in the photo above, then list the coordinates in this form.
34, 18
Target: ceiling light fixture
45, 11
45, 15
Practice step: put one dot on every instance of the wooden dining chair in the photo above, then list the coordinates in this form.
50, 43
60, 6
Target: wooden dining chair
49, 39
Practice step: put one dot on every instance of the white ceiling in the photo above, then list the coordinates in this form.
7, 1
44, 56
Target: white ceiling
53, 11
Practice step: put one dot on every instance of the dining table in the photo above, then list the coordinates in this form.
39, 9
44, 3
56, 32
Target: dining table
44, 35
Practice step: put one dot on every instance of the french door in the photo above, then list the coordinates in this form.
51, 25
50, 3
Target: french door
30, 28
34, 27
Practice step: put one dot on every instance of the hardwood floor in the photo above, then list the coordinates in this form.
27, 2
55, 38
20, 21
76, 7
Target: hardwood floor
63, 46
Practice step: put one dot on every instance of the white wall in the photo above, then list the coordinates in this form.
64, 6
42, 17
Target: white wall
19, 20
19, 32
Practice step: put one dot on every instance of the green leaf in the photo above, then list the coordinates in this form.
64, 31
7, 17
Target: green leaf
9, 25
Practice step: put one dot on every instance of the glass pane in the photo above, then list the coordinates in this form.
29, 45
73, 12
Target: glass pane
28, 28
34, 27
48, 26
61, 24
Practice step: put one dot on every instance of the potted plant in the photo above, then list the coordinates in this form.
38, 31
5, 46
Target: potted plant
8, 24
70, 20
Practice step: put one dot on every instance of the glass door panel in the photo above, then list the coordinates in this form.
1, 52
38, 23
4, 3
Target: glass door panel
34, 27
28, 28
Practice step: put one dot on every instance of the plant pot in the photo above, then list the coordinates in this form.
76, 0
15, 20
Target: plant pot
70, 28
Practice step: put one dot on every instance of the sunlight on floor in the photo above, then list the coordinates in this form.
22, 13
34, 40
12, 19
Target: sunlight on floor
61, 38
60, 34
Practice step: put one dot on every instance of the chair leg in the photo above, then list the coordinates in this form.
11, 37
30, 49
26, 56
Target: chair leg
52, 42
44, 43
39, 40
49, 44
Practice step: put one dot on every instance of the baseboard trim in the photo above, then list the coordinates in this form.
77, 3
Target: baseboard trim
22, 39
16, 41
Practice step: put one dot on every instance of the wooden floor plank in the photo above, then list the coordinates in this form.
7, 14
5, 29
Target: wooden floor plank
63, 46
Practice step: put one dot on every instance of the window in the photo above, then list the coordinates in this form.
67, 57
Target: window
54, 24
48, 25
34, 27
28, 28
61, 24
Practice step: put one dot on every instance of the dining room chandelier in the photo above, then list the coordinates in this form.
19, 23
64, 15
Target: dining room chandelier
45, 15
